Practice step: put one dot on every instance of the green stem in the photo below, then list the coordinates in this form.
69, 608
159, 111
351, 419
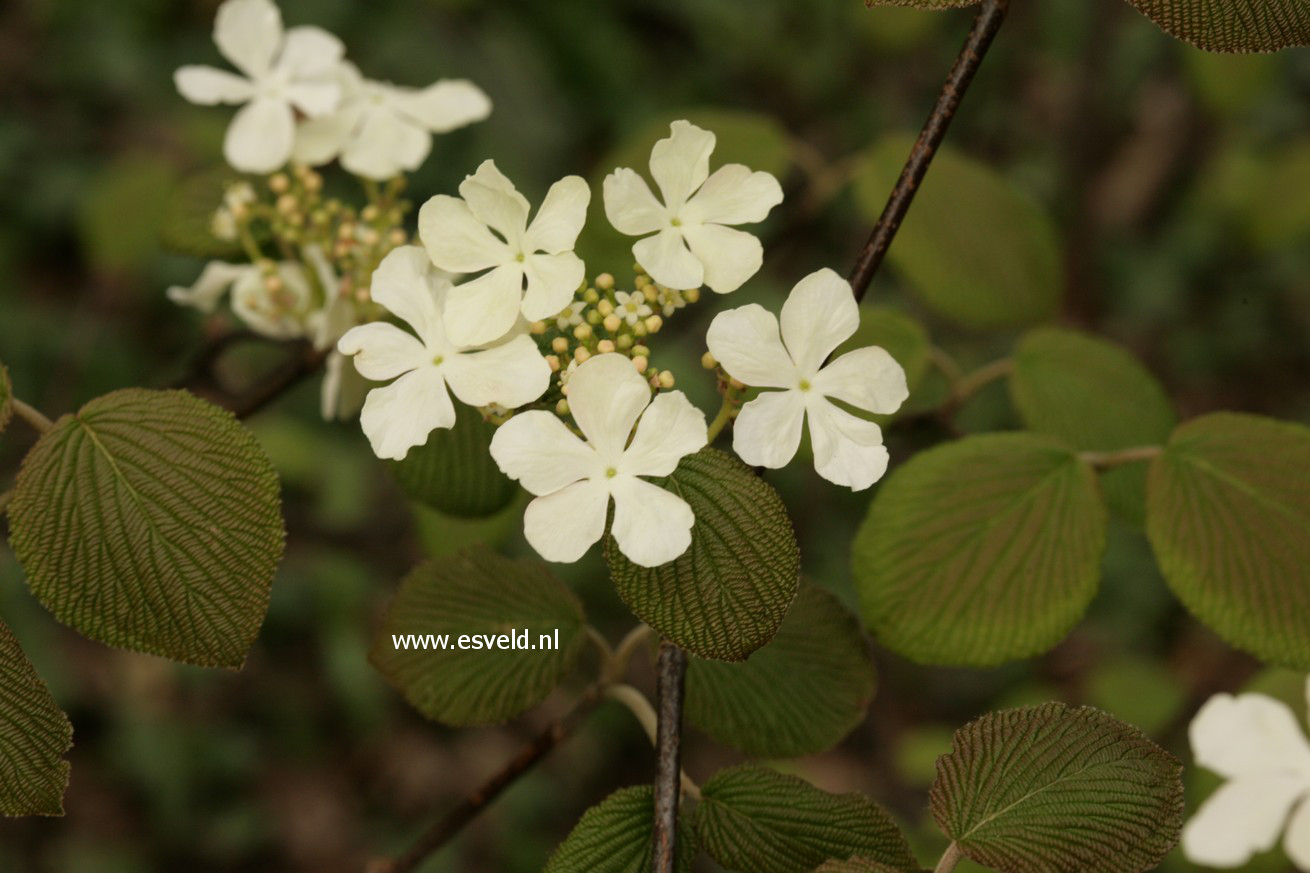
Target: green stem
1110, 460
31, 415
726, 412
980, 378
641, 709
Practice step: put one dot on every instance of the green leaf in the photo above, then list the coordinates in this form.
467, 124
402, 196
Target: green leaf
1232, 25
189, 215
1276, 221
453, 471
727, 594
800, 694
1228, 515
975, 248
1053, 789
494, 603
151, 520
6, 398
756, 820
121, 215
614, 836
902, 337
1096, 396
981, 551
34, 735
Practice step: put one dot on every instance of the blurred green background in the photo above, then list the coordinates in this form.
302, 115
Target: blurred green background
1180, 186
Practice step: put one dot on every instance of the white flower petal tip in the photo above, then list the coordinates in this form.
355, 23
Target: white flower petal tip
759, 349
532, 271
692, 243
574, 478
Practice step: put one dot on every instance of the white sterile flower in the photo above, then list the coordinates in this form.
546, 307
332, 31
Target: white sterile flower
631, 307
575, 479
691, 246
458, 234
1254, 742
284, 72
819, 315
277, 306
381, 129
400, 416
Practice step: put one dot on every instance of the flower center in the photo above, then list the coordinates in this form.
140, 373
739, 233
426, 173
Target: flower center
611, 472
676, 221
520, 257
437, 361
805, 385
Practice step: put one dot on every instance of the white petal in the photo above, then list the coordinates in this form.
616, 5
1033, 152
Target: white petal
552, 280
563, 525
445, 105
560, 218
734, 195
399, 416
315, 97
668, 261
651, 526
669, 429
847, 450
767, 431
320, 140
214, 282
309, 52
496, 203
606, 394
384, 145
681, 162
512, 374
1241, 819
867, 378
730, 256
260, 136
1296, 842
248, 33
745, 341
383, 351
1248, 735
630, 205
538, 450
407, 285
455, 240
819, 315
485, 309
208, 86
278, 315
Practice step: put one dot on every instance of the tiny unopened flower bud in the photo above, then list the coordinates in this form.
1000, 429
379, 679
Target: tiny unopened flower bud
613, 323
707, 361
369, 213
582, 331
639, 329
605, 282
605, 346
666, 379
593, 317
641, 363
654, 323
562, 408
590, 295
624, 342
638, 269
691, 295
369, 237
559, 345
651, 293
737, 384
641, 282
605, 307
580, 354
553, 361
641, 350
397, 237
273, 283
278, 183
346, 230
537, 328
287, 203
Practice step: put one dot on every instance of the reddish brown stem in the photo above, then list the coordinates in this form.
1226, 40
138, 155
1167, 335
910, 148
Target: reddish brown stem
671, 672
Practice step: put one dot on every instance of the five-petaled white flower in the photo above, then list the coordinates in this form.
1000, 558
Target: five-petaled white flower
631, 307
691, 246
381, 129
458, 234
283, 73
575, 479
1254, 742
819, 315
400, 416
279, 306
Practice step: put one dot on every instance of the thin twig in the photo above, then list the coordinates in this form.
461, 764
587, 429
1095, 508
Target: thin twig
950, 858
671, 671
31, 415
985, 28
303, 362
1110, 460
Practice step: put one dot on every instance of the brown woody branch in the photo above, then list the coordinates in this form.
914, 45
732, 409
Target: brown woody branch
671, 672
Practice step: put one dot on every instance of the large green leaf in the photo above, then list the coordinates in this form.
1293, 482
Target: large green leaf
151, 520
521, 629
756, 820
34, 735
1228, 515
727, 594
981, 551
1094, 395
976, 248
614, 836
1053, 789
453, 471
800, 694
6, 398
1232, 25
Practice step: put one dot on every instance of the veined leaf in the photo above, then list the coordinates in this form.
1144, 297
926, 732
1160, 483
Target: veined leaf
151, 520
495, 606
931, 5
727, 594
1053, 789
6, 398
981, 551
801, 693
34, 735
1228, 515
453, 471
1232, 25
756, 820
615, 837
855, 865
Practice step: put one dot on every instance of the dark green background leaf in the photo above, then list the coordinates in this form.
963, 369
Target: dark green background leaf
34, 735
614, 837
453, 471
189, 215
6, 398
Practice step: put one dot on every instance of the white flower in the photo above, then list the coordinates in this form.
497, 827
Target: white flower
819, 315
571, 315
458, 234
400, 416
691, 246
283, 73
575, 479
381, 129
1254, 742
279, 306
631, 307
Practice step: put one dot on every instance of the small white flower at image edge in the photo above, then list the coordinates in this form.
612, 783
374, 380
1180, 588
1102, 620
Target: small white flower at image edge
574, 479
755, 348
